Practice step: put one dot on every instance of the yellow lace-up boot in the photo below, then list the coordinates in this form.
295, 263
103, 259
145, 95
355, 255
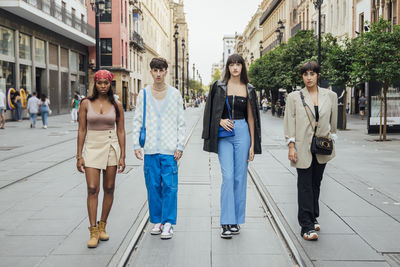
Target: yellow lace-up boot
102, 229
94, 237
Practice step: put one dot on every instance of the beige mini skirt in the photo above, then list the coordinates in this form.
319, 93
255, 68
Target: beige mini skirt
101, 149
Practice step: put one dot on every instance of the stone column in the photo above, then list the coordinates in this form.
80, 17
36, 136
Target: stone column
59, 78
17, 69
33, 53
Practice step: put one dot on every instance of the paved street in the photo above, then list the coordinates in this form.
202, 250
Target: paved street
43, 217
360, 195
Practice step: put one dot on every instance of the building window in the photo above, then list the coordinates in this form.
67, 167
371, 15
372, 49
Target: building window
53, 57
24, 46
106, 51
64, 58
6, 42
6, 76
73, 59
25, 77
81, 62
106, 15
40, 51
361, 23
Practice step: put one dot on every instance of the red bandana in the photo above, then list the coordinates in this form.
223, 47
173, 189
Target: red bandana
103, 74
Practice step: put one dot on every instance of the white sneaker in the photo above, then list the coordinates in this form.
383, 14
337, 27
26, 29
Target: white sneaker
167, 231
156, 229
45, 127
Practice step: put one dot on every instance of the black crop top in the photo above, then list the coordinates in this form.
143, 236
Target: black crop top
238, 108
316, 113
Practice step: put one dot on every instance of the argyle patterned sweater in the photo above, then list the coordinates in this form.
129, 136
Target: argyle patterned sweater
165, 125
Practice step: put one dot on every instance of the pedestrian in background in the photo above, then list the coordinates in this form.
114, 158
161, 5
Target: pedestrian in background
104, 150
242, 116
18, 106
75, 107
311, 111
33, 109
2, 109
362, 102
264, 104
44, 108
163, 147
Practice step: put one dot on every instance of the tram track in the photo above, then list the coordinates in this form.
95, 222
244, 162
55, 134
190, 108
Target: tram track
45, 168
139, 233
294, 250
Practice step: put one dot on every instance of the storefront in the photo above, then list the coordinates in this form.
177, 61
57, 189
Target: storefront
36, 59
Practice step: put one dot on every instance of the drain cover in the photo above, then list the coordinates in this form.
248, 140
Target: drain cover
393, 258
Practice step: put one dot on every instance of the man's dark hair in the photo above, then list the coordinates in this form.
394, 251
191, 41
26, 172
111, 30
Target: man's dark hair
158, 63
34, 93
235, 58
310, 66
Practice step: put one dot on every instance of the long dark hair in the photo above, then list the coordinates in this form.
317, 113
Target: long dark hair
235, 58
110, 97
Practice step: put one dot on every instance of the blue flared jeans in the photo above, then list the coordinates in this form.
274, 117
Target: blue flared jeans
233, 153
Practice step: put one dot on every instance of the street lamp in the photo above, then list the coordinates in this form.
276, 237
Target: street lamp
318, 4
194, 71
98, 7
183, 67
279, 31
261, 48
176, 56
187, 74
251, 57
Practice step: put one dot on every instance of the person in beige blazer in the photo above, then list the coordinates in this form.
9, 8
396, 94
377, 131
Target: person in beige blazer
321, 106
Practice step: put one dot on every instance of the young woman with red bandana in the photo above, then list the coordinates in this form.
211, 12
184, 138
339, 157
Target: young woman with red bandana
104, 150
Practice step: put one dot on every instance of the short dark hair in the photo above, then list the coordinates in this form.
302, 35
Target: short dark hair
34, 93
310, 66
235, 58
158, 63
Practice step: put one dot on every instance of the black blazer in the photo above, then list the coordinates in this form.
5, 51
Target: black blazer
213, 113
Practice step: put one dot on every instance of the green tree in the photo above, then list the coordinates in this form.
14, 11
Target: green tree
196, 86
377, 58
216, 76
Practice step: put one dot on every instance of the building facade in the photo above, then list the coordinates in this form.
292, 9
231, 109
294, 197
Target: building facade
136, 50
179, 19
228, 47
114, 43
275, 16
249, 44
156, 32
44, 48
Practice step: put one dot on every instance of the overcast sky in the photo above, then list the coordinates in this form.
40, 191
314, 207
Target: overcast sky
208, 22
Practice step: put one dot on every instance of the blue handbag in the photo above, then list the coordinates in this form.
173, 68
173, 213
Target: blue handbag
221, 131
142, 135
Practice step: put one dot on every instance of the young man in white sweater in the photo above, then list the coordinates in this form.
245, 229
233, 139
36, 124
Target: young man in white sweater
165, 135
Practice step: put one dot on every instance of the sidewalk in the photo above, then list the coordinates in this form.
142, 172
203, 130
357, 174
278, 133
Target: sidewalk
43, 218
359, 203
197, 240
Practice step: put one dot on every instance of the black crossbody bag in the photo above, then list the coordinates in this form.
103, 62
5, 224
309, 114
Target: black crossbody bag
319, 145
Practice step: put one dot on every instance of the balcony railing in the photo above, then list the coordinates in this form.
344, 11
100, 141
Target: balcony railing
137, 42
60, 13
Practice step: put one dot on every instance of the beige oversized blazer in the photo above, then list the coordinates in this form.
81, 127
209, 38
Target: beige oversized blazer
297, 126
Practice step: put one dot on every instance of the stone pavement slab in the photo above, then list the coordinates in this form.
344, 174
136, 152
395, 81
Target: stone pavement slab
43, 218
197, 240
356, 183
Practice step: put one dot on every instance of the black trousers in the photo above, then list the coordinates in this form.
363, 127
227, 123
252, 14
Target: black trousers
308, 189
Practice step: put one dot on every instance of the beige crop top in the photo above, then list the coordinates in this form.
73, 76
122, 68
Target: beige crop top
100, 122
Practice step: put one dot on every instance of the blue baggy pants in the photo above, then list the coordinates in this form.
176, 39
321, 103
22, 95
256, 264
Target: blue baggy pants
233, 153
161, 175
